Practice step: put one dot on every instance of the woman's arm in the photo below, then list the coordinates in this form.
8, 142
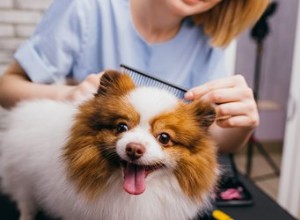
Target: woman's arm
16, 86
230, 139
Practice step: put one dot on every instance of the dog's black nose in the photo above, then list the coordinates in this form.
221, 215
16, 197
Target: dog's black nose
134, 150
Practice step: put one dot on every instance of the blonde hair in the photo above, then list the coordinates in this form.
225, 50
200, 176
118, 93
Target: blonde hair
229, 18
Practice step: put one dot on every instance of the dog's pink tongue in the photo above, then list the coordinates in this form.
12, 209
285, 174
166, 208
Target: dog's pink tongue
134, 179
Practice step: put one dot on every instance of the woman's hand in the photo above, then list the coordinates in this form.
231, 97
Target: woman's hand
16, 86
234, 101
84, 90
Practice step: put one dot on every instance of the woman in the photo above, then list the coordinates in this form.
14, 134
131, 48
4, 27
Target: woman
178, 40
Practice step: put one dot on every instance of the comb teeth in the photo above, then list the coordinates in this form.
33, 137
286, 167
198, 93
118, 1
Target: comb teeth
143, 79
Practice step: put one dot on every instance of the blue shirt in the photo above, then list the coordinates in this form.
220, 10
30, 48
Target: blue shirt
79, 37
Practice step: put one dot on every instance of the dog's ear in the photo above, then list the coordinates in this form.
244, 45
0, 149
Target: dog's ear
115, 83
204, 113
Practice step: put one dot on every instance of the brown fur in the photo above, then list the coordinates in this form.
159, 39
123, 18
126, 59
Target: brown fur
191, 146
90, 151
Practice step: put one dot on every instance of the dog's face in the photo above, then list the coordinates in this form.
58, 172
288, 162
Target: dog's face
141, 131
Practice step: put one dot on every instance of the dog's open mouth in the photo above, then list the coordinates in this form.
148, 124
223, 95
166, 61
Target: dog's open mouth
135, 176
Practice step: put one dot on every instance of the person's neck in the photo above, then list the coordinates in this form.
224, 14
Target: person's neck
154, 22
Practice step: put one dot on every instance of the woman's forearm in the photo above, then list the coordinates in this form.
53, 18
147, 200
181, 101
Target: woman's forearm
15, 86
230, 140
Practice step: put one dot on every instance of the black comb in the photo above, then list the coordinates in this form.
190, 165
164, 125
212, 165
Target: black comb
146, 79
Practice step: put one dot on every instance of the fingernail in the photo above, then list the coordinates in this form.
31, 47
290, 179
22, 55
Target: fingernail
189, 95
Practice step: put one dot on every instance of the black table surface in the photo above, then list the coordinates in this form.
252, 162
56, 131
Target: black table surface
264, 208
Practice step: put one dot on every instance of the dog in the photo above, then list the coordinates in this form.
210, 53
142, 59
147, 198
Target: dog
127, 153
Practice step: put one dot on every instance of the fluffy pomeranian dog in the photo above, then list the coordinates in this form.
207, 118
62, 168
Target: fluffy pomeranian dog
128, 153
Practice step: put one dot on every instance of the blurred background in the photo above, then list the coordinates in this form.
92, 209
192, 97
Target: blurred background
272, 161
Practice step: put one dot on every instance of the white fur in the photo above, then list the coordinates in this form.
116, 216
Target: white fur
158, 101
149, 102
33, 171
153, 152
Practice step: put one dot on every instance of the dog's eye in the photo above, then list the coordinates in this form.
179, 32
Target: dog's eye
164, 138
122, 127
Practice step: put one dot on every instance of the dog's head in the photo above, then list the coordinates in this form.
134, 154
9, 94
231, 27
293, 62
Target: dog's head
142, 131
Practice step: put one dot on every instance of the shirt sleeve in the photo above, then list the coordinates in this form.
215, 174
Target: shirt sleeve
50, 54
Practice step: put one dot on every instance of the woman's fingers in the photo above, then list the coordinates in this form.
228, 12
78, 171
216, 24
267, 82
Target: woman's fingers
233, 99
93, 79
238, 121
225, 95
227, 113
86, 89
229, 82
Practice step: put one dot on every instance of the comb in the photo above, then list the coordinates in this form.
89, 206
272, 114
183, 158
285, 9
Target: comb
146, 79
